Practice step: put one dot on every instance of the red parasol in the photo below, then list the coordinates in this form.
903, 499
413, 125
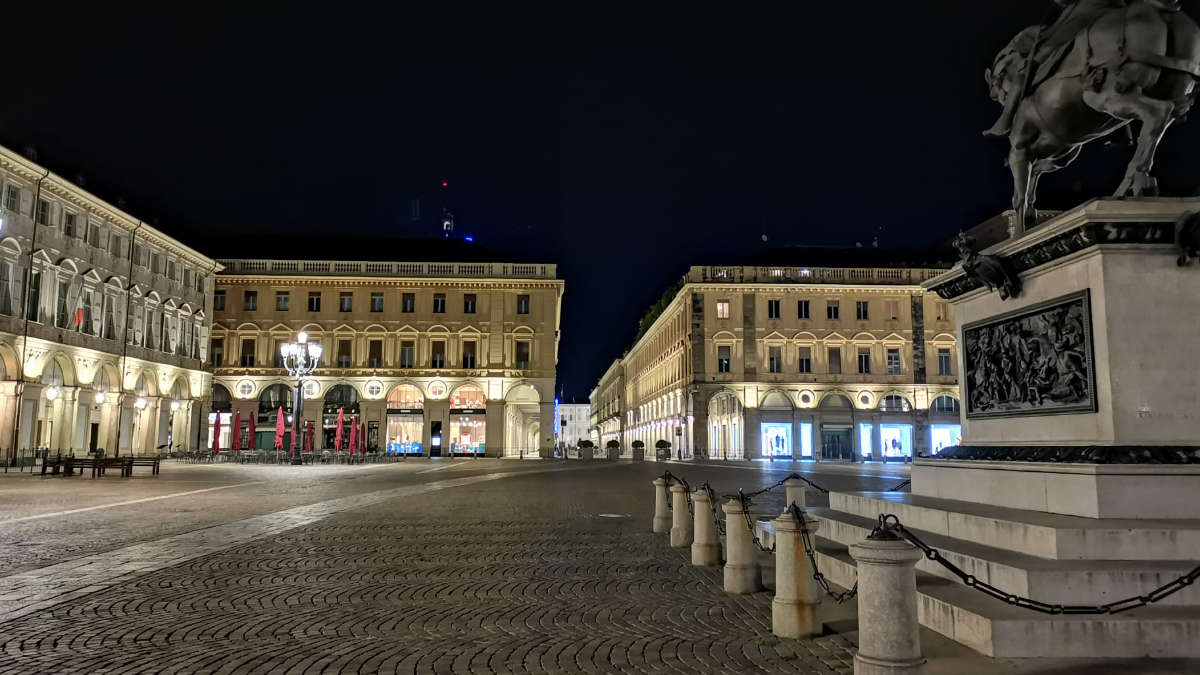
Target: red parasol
354, 435
337, 434
279, 428
308, 437
217, 433
235, 444
251, 423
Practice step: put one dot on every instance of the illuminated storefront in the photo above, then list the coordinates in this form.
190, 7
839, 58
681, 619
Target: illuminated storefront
895, 440
944, 436
405, 421
865, 440
468, 421
776, 439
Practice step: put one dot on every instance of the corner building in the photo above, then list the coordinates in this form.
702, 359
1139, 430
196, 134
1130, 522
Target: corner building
103, 322
434, 359
835, 363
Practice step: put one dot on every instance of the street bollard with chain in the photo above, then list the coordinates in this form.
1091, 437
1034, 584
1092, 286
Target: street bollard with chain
793, 612
681, 518
705, 551
889, 641
741, 568
662, 517
794, 489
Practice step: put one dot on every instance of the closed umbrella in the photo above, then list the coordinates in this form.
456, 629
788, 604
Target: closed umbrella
308, 437
253, 441
236, 444
337, 434
354, 435
217, 433
279, 429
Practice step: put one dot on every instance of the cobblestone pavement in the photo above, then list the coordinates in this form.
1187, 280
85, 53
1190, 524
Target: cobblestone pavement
496, 567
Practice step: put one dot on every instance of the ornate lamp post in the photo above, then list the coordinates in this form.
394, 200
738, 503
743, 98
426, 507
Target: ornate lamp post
300, 358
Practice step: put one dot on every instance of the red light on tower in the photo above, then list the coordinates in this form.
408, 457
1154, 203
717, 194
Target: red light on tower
445, 184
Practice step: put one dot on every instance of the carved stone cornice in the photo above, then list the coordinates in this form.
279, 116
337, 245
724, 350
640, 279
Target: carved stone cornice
1083, 236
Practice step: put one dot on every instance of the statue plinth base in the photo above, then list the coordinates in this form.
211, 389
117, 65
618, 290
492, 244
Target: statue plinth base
1080, 396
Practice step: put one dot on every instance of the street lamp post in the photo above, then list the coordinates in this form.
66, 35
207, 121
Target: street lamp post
140, 404
300, 358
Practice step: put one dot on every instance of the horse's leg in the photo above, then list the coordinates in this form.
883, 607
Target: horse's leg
1155, 115
1022, 172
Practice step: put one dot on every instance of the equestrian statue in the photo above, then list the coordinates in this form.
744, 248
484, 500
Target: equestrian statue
1099, 67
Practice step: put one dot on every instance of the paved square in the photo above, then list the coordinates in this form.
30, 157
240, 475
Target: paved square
455, 567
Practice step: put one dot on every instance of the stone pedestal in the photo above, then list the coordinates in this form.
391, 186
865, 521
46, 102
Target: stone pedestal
741, 567
1080, 392
793, 612
889, 641
662, 515
795, 491
705, 550
681, 518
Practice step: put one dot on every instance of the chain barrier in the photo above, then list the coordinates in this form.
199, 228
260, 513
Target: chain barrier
900, 486
891, 524
746, 504
810, 551
687, 491
780, 482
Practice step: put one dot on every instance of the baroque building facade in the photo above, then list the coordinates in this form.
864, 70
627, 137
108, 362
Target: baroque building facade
789, 362
104, 322
432, 359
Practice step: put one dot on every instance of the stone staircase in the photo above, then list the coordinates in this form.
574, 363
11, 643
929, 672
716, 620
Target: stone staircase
1047, 557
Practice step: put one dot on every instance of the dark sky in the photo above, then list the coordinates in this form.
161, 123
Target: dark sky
620, 144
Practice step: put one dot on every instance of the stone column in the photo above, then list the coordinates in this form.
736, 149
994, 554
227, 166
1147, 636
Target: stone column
794, 488
84, 398
876, 439
741, 568
705, 550
752, 434
662, 519
494, 438
793, 609
546, 424
681, 519
889, 641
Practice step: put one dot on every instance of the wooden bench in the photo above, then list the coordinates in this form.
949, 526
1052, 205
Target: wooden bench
131, 462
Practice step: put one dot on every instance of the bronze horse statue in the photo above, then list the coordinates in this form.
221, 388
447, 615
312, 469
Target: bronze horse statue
1133, 62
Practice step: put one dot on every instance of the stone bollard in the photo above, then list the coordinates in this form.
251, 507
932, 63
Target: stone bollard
662, 516
705, 551
795, 492
681, 519
793, 609
741, 568
889, 641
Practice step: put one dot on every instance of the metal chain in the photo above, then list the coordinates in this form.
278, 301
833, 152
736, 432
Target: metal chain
687, 492
900, 486
746, 504
777, 484
890, 523
810, 551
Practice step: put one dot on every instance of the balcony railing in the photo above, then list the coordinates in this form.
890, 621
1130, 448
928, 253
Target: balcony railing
811, 275
391, 269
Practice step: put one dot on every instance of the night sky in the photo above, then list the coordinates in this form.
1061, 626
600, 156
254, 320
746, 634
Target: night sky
622, 145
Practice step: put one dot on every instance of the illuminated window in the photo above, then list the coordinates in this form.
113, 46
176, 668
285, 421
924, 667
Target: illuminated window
722, 309
723, 359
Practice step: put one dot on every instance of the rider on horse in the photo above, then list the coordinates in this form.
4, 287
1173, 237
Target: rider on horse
1041, 48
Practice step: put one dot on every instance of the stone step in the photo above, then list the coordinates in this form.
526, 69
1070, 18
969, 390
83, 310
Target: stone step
996, 629
1065, 581
1033, 533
